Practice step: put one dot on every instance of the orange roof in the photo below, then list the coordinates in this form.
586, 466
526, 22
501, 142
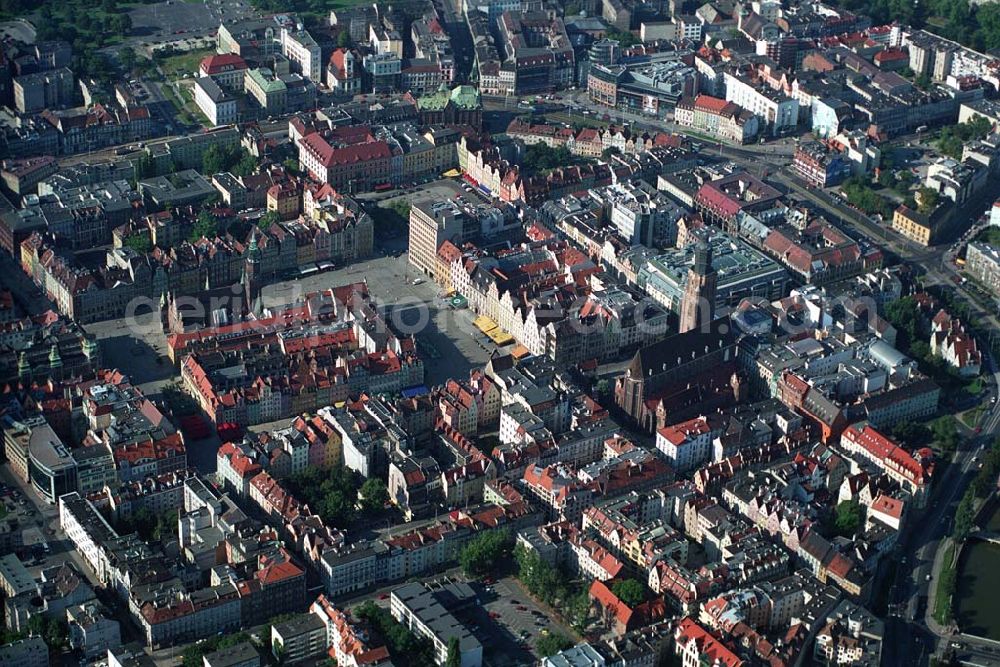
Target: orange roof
708, 646
887, 505
709, 103
885, 450
678, 434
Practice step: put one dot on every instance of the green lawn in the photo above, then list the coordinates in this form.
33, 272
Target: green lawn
187, 111
340, 4
945, 587
582, 121
176, 66
970, 417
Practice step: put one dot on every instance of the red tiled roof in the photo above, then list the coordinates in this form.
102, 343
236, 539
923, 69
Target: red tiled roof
272, 573
221, 63
887, 505
708, 646
330, 156
886, 451
890, 55
678, 434
709, 103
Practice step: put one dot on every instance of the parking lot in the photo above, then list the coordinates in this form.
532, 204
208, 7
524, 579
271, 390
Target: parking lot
508, 623
44, 544
178, 17
505, 620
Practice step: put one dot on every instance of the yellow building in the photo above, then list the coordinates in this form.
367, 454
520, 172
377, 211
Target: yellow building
917, 226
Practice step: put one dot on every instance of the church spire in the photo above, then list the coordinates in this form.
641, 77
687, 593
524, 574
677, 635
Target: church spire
55, 360
698, 301
23, 366
251, 276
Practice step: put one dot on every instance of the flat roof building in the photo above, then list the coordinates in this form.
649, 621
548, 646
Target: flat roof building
238, 655
51, 469
741, 271
30, 652
14, 577
422, 610
300, 638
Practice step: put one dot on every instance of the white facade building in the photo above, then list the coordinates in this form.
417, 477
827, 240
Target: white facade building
301, 49
780, 113
686, 445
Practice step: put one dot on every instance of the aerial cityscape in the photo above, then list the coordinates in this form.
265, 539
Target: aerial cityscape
462, 333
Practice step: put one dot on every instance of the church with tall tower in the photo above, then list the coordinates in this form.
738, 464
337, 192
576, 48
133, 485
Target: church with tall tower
698, 301
251, 278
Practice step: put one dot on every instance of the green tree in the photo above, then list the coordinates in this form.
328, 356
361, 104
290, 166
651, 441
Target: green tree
946, 587
166, 525
629, 591
94, 64
904, 179
138, 242
246, 165
405, 648
602, 388
861, 195
964, 516
542, 579
401, 207
484, 551
54, 631
454, 653
928, 200
7, 635
344, 40
270, 218
213, 160
552, 644
193, 654
577, 609
127, 57
374, 494
143, 521
120, 23
625, 39
206, 225
12, 7
887, 178
911, 433
291, 165
951, 139
905, 317
330, 493
541, 157
945, 432
848, 517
